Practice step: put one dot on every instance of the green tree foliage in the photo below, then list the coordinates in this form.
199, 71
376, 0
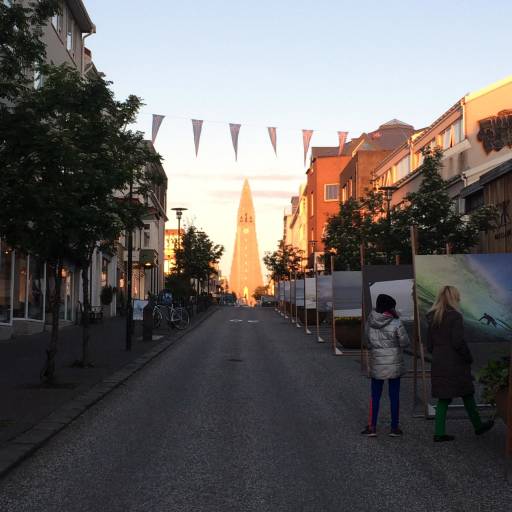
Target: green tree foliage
284, 260
67, 162
21, 49
386, 234
197, 256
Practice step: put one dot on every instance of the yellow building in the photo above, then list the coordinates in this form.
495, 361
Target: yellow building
171, 241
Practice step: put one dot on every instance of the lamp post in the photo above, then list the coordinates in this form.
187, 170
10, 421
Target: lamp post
179, 213
129, 276
388, 194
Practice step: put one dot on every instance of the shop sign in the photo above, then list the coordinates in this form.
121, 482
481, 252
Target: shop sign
496, 131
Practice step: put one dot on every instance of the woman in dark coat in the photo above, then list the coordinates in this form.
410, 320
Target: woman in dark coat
451, 362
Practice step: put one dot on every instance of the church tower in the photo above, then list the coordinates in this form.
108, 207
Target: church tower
245, 269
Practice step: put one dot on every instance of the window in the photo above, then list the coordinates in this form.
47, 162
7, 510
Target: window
38, 79
57, 21
350, 188
458, 128
402, 168
146, 236
418, 159
332, 192
104, 272
344, 193
70, 34
311, 205
474, 201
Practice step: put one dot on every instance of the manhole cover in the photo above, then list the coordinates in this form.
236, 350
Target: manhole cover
235, 360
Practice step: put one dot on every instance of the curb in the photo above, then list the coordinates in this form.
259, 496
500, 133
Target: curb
23, 446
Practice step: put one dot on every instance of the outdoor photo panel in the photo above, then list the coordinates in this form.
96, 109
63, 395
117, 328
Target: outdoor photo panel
310, 293
396, 281
324, 293
347, 291
485, 285
299, 293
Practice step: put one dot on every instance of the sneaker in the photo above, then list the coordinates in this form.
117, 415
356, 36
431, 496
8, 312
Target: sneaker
485, 427
396, 432
369, 432
443, 439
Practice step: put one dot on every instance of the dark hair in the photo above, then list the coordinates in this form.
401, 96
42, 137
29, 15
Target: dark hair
385, 303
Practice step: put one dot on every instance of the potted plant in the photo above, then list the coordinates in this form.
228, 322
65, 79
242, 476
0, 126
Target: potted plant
495, 378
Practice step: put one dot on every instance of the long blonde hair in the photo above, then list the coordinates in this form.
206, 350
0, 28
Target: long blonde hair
448, 297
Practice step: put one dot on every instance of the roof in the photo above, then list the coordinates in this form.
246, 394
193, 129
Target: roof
81, 16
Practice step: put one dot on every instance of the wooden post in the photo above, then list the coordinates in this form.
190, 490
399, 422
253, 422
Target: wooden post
364, 351
417, 345
333, 330
318, 338
305, 305
508, 450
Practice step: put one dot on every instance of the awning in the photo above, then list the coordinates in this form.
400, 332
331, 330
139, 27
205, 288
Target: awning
492, 175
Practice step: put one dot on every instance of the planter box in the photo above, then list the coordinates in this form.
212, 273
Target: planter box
501, 404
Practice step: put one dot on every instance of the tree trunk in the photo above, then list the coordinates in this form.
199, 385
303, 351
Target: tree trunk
48, 372
86, 332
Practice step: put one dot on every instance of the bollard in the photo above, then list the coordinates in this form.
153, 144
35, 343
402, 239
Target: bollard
147, 321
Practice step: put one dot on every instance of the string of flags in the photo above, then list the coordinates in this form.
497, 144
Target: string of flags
234, 128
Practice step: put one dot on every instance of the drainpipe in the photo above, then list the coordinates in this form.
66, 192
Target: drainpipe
93, 31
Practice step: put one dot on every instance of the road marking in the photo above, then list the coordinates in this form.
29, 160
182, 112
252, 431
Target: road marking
236, 320
253, 321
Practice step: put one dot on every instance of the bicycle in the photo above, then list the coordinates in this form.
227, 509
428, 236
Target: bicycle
175, 316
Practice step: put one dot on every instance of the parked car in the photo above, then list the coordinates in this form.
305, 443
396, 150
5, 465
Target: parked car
268, 301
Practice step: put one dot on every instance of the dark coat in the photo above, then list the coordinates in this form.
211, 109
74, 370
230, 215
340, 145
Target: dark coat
451, 358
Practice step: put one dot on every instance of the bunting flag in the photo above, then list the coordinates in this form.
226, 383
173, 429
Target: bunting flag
157, 122
273, 137
342, 137
306, 139
235, 130
197, 126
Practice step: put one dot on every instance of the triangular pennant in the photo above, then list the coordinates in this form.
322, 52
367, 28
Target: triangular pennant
306, 139
273, 137
235, 130
197, 126
342, 137
157, 122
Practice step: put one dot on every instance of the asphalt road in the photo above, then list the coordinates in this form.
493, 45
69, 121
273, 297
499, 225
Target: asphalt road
254, 416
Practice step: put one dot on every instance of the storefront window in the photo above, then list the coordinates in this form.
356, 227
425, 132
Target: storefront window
20, 285
35, 289
104, 272
5, 284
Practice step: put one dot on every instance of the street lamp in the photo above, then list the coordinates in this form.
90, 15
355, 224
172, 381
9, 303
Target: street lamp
179, 213
388, 195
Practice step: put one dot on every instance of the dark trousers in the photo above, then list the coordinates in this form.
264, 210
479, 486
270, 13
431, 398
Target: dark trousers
394, 399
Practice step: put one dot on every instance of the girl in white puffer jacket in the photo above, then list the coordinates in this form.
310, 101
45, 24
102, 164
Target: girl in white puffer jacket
385, 339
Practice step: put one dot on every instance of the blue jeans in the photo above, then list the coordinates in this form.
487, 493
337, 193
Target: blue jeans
394, 399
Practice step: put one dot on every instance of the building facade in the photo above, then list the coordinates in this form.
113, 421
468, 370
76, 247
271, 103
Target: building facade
475, 135
24, 288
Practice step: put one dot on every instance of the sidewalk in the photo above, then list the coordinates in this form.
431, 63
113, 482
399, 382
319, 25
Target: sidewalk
24, 402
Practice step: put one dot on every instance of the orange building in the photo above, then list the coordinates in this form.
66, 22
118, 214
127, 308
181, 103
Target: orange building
323, 191
171, 240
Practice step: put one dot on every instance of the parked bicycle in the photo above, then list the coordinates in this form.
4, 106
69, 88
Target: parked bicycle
166, 311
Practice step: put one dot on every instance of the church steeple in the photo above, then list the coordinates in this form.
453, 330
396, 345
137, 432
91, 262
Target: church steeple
246, 269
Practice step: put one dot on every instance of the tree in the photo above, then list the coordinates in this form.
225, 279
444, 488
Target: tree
284, 260
385, 234
433, 211
259, 292
67, 160
22, 51
197, 256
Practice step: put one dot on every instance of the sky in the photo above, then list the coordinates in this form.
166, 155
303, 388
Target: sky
293, 64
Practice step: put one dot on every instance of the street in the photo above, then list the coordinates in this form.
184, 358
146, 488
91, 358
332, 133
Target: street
253, 415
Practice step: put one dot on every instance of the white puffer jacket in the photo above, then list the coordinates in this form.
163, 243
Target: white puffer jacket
385, 337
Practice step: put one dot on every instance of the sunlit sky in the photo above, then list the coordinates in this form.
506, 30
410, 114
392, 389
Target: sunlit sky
321, 65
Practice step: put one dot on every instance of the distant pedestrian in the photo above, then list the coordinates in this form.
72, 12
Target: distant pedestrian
385, 338
451, 362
